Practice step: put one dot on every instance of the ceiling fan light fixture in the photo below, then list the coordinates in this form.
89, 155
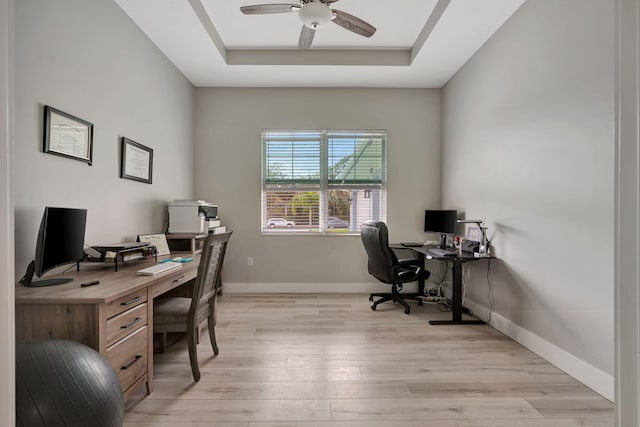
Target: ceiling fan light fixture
315, 14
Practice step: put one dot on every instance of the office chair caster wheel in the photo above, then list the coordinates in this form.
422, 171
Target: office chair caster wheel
407, 311
373, 307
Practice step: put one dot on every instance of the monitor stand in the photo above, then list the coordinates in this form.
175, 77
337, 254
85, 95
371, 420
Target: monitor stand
26, 279
48, 282
443, 241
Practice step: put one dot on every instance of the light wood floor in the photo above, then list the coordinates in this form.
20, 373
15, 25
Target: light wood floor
328, 360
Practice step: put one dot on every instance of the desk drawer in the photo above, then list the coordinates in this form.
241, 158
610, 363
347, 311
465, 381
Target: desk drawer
125, 303
129, 357
125, 323
173, 281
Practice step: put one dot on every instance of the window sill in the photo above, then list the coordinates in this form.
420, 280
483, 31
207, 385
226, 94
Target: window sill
309, 233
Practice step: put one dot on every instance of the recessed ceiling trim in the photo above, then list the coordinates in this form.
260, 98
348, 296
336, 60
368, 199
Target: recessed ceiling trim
205, 20
398, 58
196, 35
429, 26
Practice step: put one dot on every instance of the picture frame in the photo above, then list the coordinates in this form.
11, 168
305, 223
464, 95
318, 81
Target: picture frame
157, 240
137, 161
67, 136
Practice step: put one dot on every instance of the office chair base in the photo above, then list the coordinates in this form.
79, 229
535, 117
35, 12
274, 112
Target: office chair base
395, 296
407, 310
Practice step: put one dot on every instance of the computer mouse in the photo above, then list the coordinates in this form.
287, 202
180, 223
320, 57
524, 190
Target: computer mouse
178, 258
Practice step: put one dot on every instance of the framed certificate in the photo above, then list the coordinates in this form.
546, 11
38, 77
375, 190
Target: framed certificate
68, 136
137, 161
157, 240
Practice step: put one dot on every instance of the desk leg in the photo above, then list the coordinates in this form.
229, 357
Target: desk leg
421, 280
150, 340
456, 315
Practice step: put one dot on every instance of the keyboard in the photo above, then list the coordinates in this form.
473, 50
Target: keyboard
437, 252
412, 245
159, 268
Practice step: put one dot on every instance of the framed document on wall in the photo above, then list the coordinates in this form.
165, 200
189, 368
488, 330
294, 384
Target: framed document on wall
68, 136
137, 161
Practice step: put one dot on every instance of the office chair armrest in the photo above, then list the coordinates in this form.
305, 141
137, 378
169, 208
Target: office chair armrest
411, 268
407, 267
409, 263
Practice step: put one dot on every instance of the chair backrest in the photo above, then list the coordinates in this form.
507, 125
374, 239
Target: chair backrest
375, 238
209, 269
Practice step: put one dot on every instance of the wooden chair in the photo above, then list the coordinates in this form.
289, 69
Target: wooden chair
179, 314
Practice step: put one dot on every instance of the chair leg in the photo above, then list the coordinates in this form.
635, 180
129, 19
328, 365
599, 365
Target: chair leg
193, 352
385, 298
399, 299
403, 303
212, 335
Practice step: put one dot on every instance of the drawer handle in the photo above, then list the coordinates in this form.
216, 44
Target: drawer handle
136, 299
130, 324
178, 279
128, 365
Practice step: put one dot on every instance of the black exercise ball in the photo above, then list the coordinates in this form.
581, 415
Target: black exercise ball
65, 383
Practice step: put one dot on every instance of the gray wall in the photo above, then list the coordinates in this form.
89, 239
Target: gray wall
228, 156
528, 144
87, 58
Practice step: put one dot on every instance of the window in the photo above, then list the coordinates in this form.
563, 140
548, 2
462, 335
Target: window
322, 182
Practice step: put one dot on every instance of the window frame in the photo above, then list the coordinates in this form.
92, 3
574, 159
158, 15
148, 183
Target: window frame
325, 183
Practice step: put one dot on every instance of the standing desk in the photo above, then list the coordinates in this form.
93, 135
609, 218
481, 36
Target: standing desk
456, 299
115, 317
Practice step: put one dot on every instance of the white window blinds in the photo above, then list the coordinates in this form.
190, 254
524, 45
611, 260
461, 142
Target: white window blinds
322, 181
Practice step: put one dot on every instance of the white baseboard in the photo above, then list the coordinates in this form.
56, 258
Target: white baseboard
597, 380
309, 288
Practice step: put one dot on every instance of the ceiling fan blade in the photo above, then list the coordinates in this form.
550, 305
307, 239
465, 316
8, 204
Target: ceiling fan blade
306, 37
260, 9
353, 23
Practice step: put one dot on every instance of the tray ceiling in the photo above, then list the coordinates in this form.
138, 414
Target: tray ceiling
418, 43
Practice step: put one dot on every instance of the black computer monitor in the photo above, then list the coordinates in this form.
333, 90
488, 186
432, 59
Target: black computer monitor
60, 241
442, 222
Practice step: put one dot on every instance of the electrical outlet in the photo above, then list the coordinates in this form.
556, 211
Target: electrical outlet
250, 261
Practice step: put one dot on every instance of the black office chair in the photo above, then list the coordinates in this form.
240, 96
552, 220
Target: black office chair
385, 266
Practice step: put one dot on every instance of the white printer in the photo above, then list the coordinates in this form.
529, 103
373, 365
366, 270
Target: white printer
192, 217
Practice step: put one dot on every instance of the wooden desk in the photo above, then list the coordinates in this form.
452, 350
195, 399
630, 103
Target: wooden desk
115, 317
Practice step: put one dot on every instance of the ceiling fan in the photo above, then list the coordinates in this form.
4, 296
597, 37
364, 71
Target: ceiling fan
314, 14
